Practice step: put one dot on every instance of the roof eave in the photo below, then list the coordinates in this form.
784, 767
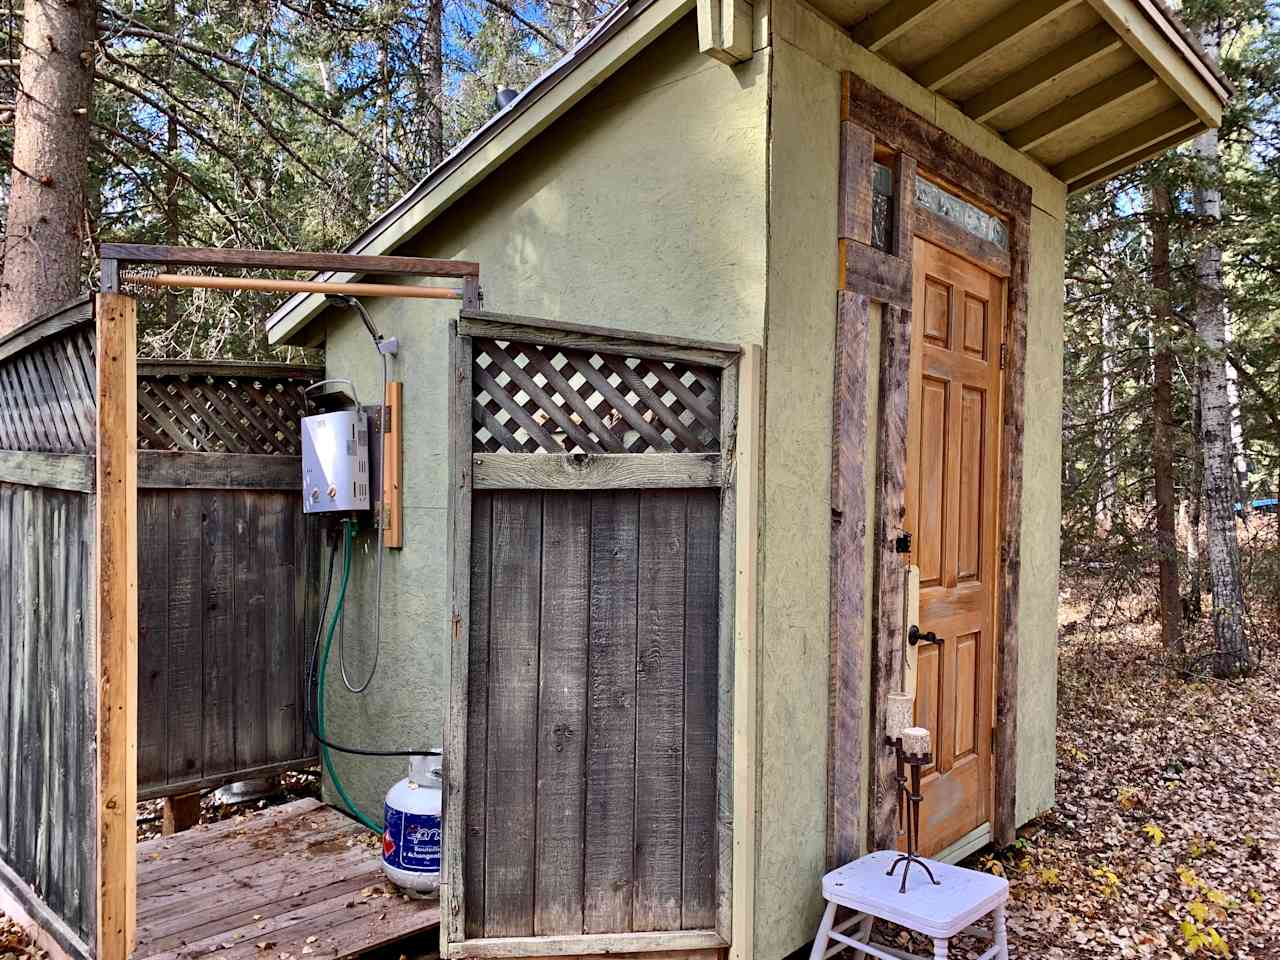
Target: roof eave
626, 32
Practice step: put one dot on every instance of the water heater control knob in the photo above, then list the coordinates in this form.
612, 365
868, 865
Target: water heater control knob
333, 491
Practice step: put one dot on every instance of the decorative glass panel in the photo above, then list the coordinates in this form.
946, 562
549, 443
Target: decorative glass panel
881, 207
976, 221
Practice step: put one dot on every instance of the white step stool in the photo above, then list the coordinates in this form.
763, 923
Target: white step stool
941, 912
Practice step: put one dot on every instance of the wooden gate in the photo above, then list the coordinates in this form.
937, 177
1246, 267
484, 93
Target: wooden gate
591, 678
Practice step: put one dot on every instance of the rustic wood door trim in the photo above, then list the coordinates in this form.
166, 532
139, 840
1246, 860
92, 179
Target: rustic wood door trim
872, 124
473, 471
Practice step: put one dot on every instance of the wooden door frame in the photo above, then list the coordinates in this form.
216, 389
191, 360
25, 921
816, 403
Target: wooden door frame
734, 471
872, 121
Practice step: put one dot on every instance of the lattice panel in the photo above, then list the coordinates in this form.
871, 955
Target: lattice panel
214, 413
530, 398
47, 395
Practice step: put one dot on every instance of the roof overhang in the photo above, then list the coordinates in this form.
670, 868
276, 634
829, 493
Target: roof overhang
614, 42
1086, 88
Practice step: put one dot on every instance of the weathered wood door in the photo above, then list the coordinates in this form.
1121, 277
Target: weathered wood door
952, 514
590, 697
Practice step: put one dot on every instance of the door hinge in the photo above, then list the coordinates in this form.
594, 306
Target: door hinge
1004, 355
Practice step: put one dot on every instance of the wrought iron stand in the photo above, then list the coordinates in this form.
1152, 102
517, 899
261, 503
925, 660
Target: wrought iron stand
909, 797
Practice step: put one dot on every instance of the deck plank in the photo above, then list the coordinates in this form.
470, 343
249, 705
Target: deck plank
290, 876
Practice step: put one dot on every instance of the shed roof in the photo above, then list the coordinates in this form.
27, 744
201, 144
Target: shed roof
1086, 88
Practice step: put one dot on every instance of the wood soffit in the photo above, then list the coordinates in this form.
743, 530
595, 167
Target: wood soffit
1086, 88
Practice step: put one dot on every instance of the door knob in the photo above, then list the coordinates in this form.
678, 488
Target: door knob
914, 635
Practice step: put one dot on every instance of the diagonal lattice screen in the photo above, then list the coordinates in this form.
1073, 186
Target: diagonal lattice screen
530, 398
213, 413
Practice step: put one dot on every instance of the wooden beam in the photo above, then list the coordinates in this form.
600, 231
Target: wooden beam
116, 575
943, 155
240, 258
846, 739
747, 459
1012, 431
76, 314
726, 660
1103, 95
577, 336
267, 285
881, 276
162, 790
947, 233
1127, 163
181, 812
510, 948
48, 931
988, 41
61, 471
453, 890
594, 471
188, 470
393, 468
724, 30
894, 20
1078, 53
236, 369
857, 157
891, 487
1149, 32
1138, 139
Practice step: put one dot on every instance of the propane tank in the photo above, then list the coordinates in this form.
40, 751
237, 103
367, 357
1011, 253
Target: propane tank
411, 841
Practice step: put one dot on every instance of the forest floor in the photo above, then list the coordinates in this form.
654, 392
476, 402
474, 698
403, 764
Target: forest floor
1165, 841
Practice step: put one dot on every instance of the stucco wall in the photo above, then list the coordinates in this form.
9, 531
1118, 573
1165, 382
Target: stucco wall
643, 209
808, 56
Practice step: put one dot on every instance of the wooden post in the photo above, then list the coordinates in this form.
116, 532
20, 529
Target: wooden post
116, 576
180, 813
392, 466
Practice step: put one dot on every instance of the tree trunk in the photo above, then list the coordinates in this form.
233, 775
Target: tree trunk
1162, 429
1231, 645
45, 238
433, 67
1194, 608
1106, 399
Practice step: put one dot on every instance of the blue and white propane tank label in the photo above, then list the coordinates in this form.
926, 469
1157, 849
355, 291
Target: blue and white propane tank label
411, 841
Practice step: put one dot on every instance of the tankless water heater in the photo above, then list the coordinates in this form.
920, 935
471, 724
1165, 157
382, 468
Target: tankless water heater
335, 461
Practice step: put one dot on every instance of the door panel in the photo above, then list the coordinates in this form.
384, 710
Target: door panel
953, 444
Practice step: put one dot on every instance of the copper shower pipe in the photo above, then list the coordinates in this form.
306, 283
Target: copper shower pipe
267, 285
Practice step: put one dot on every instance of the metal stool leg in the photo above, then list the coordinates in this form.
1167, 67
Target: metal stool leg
940, 950
1002, 934
823, 936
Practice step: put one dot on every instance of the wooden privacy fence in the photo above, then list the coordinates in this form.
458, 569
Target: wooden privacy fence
224, 557
222, 619
47, 627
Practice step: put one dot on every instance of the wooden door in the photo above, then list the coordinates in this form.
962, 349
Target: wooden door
952, 508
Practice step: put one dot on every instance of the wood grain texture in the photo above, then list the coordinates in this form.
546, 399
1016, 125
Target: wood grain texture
942, 154
611, 713
183, 470
116, 575
653, 944
511, 753
601, 471
477, 720
879, 275
498, 326
847, 740
57, 471
857, 155
393, 467
891, 479
562, 713
76, 315
701, 729
947, 233
1013, 418
659, 735
240, 258
284, 875
458, 822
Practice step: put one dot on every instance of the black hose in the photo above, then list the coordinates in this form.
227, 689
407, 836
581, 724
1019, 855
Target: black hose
313, 686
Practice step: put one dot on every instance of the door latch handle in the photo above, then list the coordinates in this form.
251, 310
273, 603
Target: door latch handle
915, 635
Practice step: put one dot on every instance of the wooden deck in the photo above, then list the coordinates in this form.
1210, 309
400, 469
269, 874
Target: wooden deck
298, 880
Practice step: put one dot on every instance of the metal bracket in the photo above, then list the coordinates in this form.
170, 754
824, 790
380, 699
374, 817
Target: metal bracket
902, 543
